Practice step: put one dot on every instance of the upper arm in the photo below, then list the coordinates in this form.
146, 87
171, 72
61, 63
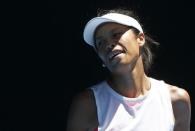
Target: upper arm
181, 108
82, 113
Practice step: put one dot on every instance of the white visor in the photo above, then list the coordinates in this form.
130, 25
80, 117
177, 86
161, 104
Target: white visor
92, 25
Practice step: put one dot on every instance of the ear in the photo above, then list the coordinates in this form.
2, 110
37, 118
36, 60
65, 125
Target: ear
141, 39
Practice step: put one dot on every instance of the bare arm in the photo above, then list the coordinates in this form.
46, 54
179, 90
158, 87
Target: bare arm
181, 108
82, 113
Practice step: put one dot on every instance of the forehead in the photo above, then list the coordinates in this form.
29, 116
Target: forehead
109, 27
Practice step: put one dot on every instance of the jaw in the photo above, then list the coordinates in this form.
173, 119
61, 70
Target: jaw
125, 66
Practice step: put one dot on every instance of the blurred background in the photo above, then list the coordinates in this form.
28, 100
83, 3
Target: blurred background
45, 61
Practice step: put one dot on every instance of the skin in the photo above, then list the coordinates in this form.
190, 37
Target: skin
128, 78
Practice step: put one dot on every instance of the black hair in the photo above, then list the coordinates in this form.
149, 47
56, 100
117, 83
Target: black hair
147, 55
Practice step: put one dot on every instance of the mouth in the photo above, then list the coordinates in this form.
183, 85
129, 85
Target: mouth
114, 54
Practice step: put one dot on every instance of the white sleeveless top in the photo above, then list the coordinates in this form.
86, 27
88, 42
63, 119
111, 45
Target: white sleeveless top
151, 112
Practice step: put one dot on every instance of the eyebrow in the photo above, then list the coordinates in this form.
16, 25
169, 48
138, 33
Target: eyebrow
99, 37
112, 30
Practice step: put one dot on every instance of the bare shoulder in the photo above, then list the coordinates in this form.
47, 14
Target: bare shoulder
82, 113
179, 94
181, 108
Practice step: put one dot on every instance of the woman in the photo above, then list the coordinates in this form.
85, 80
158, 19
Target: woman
128, 100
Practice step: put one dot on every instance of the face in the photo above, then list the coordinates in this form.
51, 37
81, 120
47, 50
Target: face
118, 46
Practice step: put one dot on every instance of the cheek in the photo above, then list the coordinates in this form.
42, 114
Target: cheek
127, 38
130, 44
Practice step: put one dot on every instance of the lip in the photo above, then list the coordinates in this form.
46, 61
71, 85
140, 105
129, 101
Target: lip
114, 53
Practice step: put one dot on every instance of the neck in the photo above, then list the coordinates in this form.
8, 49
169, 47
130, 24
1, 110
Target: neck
131, 84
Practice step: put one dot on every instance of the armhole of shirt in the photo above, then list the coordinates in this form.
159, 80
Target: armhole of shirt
167, 86
93, 94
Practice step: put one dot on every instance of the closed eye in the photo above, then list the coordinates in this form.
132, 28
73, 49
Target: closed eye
117, 35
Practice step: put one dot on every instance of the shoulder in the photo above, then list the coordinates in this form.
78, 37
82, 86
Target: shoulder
84, 102
181, 107
84, 98
82, 113
179, 96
